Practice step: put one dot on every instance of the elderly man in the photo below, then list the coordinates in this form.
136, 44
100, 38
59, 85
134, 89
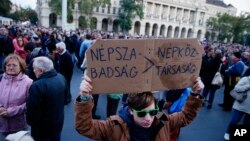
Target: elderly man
65, 65
45, 104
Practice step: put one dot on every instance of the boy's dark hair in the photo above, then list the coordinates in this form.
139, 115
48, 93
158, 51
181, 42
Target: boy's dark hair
140, 101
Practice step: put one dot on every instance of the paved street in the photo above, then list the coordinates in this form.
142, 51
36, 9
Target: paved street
209, 125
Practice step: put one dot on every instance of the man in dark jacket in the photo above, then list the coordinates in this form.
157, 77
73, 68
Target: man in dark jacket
45, 104
65, 65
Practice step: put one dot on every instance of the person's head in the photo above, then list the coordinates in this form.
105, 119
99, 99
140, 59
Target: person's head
210, 51
88, 37
20, 40
28, 47
143, 107
14, 64
236, 56
41, 65
218, 54
245, 55
60, 47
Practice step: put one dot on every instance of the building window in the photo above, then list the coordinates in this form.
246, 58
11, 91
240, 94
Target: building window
119, 10
97, 9
114, 10
103, 9
108, 9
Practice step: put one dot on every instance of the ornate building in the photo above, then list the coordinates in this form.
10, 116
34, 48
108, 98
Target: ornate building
165, 18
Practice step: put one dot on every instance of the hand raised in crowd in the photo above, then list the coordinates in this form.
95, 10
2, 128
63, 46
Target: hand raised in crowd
198, 86
85, 86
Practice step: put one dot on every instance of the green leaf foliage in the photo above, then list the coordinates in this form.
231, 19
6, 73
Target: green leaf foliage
130, 9
229, 27
5, 7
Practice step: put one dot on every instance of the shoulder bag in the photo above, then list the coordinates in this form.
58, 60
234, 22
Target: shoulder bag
218, 80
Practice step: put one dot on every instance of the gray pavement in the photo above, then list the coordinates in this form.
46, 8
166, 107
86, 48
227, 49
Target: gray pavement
209, 125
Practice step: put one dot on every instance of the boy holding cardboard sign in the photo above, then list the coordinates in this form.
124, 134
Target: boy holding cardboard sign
140, 120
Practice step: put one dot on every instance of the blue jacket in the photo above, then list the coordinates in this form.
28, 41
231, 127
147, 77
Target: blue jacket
237, 69
84, 46
45, 105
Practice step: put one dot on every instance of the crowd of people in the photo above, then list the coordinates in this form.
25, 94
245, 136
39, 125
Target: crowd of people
37, 69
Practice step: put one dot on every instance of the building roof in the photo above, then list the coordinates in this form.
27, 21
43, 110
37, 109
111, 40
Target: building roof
218, 3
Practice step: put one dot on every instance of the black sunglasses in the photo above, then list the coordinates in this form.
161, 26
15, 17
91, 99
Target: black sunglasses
143, 113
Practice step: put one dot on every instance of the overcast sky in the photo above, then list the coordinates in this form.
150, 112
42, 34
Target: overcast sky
25, 3
241, 5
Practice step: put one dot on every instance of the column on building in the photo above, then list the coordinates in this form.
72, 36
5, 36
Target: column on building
152, 10
99, 24
110, 25
142, 28
189, 16
196, 22
160, 11
182, 16
175, 14
168, 13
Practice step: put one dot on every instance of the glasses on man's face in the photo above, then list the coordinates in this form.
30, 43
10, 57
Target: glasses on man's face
143, 113
11, 65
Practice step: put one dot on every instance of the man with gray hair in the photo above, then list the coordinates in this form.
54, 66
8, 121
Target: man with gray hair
45, 104
65, 65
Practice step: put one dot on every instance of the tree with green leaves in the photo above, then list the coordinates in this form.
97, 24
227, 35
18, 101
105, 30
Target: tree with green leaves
239, 26
230, 27
221, 25
25, 14
87, 8
130, 9
56, 7
5, 7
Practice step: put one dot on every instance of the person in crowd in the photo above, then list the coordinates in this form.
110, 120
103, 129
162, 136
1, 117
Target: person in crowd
214, 65
77, 43
175, 101
65, 65
19, 47
232, 76
205, 59
140, 120
51, 44
33, 51
240, 109
45, 107
84, 46
112, 103
14, 84
6, 45
70, 46
246, 58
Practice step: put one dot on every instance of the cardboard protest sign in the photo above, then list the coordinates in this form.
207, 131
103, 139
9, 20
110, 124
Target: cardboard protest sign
131, 66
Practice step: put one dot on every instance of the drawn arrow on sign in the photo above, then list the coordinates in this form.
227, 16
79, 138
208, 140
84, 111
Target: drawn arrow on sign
150, 66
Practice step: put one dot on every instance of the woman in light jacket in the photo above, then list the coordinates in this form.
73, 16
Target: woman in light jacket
14, 84
240, 108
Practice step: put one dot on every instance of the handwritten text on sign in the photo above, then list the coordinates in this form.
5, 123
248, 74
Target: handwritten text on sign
143, 65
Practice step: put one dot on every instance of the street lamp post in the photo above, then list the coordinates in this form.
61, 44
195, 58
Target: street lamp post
64, 14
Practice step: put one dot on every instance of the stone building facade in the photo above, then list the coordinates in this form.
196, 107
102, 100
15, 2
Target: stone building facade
162, 18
